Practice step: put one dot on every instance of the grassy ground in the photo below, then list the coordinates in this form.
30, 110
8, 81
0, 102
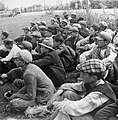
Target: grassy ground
15, 24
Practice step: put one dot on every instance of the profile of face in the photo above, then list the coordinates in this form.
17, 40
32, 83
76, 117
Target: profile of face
65, 34
3, 37
73, 34
100, 43
52, 22
56, 44
92, 31
19, 62
47, 34
43, 49
86, 77
25, 31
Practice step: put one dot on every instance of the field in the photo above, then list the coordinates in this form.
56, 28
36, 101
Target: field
15, 24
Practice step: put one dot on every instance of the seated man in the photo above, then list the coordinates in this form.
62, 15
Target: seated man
104, 51
64, 53
7, 63
50, 62
35, 88
97, 95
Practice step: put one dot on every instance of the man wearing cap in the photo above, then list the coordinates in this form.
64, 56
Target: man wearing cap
8, 60
74, 38
35, 88
3, 50
50, 62
103, 51
33, 27
64, 53
84, 31
36, 35
97, 93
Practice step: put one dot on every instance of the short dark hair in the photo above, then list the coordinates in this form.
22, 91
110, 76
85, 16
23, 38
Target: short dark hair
5, 33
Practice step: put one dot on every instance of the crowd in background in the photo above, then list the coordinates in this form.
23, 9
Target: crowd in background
37, 63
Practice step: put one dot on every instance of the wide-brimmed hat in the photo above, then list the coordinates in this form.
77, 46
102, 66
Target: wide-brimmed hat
48, 43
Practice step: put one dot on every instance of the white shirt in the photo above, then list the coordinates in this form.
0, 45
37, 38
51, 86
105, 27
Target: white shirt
15, 49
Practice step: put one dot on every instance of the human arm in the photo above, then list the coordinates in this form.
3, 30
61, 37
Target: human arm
83, 106
28, 92
47, 60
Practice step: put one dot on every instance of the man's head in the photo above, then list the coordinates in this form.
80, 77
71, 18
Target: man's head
8, 43
92, 70
103, 39
73, 15
25, 30
26, 45
74, 31
4, 35
58, 40
46, 45
103, 25
23, 57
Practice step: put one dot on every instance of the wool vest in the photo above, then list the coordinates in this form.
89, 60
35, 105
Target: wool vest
106, 90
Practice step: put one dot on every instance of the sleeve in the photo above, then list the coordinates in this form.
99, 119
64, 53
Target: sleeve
8, 57
111, 57
30, 86
83, 56
60, 50
12, 53
42, 62
83, 106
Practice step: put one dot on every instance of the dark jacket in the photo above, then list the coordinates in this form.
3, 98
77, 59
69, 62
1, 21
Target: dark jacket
106, 90
72, 41
53, 67
67, 55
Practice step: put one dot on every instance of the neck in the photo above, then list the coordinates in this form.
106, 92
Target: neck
24, 67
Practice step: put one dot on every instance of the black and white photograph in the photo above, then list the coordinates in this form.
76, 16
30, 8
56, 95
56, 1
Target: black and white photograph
58, 59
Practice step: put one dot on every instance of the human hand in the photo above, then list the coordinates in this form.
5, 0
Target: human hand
4, 75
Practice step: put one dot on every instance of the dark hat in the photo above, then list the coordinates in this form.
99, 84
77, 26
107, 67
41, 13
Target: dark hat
8, 41
32, 22
50, 29
25, 28
5, 33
